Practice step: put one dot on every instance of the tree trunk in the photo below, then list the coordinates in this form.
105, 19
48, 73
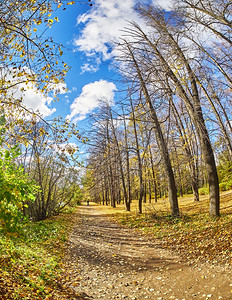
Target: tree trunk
195, 112
172, 192
140, 171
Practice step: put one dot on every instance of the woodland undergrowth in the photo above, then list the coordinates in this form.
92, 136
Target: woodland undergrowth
31, 263
194, 235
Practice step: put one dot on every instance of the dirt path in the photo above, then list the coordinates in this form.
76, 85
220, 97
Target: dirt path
106, 261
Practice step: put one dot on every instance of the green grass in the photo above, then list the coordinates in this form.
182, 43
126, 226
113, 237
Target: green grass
31, 264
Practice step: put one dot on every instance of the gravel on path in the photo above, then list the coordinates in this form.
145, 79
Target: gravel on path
107, 261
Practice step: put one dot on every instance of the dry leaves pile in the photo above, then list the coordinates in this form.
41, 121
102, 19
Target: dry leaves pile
194, 235
31, 265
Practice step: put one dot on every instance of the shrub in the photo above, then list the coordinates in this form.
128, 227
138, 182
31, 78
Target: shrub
15, 189
222, 186
204, 191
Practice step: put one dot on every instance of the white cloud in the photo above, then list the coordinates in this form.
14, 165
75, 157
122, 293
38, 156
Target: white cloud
88, 68
37, 102
90, 98
165, 4
105, 22
31, 98
104, 25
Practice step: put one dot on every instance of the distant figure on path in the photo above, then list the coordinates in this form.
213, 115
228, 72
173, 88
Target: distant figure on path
87, 202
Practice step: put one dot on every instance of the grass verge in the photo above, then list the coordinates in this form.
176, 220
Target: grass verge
194, 235
31, 264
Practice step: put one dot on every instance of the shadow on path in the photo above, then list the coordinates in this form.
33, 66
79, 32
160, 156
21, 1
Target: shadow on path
107, 261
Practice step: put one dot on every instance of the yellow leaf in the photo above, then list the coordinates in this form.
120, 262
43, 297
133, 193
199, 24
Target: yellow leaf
71, 3
35, 29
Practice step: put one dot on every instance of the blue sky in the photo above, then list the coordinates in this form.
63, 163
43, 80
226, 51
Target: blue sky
87, 32
90, 75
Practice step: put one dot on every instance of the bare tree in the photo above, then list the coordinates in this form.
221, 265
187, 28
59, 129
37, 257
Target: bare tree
159, 134
187, 91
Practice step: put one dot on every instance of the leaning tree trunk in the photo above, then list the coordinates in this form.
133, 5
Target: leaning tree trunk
140, 171
172, 192
127, 165
127, 202
186, 147
193, 106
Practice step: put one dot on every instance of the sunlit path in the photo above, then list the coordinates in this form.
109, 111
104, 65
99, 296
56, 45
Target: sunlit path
110, 262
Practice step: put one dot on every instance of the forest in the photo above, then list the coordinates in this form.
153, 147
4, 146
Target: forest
171, 134
168, 137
